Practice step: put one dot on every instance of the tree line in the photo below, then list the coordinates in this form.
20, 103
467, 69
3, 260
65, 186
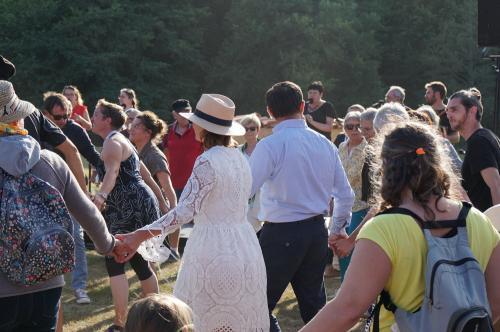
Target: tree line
180, 48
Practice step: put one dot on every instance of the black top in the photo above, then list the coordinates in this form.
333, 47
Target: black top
320, 115
444, 122
366, 180
483, 151
131, 204
82, 141
43, 130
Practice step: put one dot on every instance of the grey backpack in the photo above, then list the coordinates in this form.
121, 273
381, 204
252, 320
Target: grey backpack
455, 297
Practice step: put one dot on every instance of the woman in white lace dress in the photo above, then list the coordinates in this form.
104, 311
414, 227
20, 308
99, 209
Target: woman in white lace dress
222, 276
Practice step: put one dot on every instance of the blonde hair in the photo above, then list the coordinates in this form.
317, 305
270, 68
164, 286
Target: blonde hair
159, 313
356, 107
251, 119
79, 99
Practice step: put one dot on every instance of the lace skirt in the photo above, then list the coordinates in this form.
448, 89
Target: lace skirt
222, 278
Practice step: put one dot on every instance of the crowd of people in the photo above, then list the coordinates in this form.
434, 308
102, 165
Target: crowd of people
268, 212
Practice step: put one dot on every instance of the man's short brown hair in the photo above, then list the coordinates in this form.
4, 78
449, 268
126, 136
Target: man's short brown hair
439, 87
52, 99
284, 99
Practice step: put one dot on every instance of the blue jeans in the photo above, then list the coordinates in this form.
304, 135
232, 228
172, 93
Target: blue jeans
35, 312
356, 219
79, 275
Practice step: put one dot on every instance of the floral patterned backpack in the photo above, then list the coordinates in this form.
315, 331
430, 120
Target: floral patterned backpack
36, 242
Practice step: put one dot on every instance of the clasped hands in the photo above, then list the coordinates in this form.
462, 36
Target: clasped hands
125, 246
341, 244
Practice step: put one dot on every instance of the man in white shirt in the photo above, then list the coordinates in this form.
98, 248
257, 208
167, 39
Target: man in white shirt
299, 172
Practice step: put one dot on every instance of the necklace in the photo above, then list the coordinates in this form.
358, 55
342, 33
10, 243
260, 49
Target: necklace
12, 129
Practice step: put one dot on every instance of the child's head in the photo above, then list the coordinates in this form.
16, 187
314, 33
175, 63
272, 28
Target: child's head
157, 313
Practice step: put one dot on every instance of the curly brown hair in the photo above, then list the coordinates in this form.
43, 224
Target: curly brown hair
412, 157
154, 124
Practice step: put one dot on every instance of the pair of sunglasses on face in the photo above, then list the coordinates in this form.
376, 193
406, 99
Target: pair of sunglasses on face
61, 117
351, 126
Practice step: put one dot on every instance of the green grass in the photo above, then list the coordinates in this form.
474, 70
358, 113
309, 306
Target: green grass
98, 315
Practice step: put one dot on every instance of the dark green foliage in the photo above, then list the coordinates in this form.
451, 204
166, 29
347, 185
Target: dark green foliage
180, 48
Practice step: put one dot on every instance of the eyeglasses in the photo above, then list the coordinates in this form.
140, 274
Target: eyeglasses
60, 117
250, 128
351, 126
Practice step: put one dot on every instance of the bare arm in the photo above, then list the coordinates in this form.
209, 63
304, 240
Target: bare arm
111, 156
72, 157
168, 189
344, 246
84, 120
146, 176
359, 290
492, 179
492, 276
326, 127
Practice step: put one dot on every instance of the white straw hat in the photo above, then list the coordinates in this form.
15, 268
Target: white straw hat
215, 113
494, 214
11, 107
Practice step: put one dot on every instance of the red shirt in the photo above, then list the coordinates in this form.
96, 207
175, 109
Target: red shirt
79, 109
181, 151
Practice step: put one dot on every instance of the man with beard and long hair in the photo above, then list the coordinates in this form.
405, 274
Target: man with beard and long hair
480, 169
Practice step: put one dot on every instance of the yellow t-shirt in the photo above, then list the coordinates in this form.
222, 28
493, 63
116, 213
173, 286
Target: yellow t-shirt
404, 243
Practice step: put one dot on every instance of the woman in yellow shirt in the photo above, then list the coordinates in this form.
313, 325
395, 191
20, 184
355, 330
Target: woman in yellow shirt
390, 252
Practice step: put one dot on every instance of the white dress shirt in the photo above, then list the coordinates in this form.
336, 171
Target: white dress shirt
299, 171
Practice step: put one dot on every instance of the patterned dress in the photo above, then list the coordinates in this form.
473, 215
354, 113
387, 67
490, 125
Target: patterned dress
131, 204
222, 276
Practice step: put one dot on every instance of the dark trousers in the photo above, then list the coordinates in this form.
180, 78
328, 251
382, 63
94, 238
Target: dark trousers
35, 312
296, 253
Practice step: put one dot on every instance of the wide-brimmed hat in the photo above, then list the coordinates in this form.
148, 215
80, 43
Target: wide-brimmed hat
215, 113
11, 107
494, 214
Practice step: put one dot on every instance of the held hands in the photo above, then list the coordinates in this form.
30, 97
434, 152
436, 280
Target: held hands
126, 246
99, 202
343, 246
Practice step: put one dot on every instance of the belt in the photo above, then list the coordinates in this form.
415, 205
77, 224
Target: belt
317, 218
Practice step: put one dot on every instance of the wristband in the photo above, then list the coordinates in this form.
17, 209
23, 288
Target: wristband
103, 195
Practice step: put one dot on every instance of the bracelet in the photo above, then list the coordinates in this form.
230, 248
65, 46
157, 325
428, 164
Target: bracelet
103, 195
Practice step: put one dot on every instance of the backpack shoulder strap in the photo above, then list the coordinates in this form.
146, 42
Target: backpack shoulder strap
399, 210
461, 220
384, 300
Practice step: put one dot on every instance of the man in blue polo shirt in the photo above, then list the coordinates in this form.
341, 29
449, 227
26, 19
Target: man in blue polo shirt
299, 171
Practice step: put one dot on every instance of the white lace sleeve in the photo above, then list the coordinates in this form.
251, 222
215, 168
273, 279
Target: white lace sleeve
200, 183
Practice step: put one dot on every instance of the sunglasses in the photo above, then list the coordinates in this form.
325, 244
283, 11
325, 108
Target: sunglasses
351, 126
250, 128
60, 117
